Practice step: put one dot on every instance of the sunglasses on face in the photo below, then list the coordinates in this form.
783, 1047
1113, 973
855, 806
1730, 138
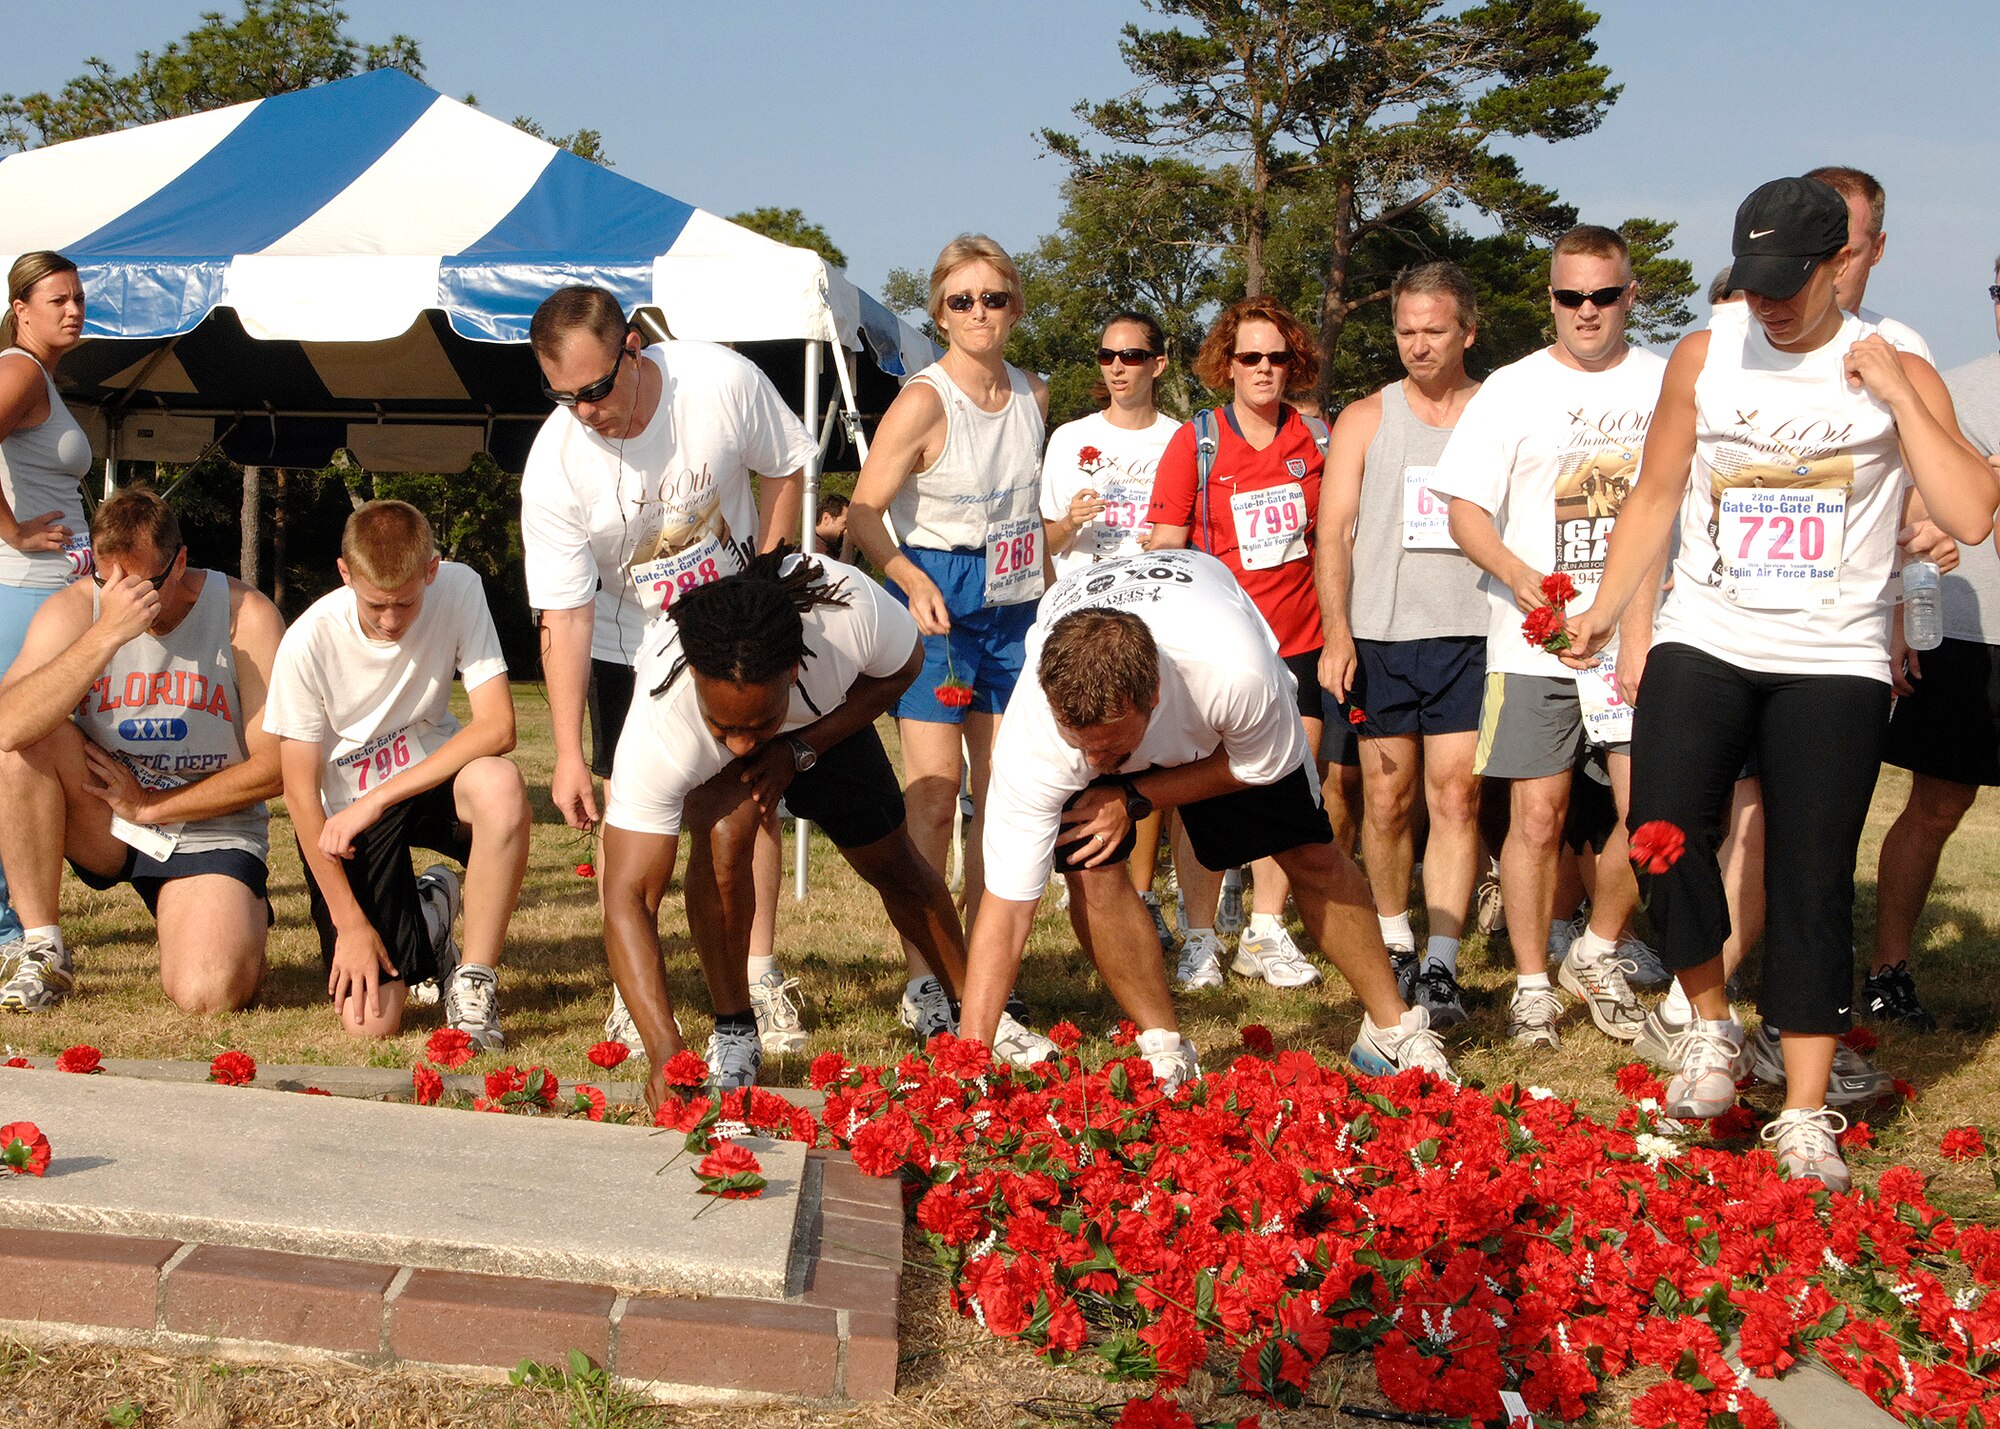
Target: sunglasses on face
1281, 358
1597, 297
595, 392
992, 302
1130, 356
1993, 291
157, 582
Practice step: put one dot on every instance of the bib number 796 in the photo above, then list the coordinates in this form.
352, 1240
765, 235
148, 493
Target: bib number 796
391, 759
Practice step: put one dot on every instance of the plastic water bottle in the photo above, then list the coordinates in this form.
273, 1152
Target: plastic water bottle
1923, 614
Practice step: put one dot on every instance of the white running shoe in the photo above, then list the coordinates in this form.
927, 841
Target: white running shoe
472, 1005
1014, 1041
619, 1026
1532, 1017
1160, 929
1174, 1066
1853, 1079
1492, 914
1384, 1051
1201, 961
1713, 1061
1229, 911
1600, 985
1806, 1141
35, 975
438, 892
734, 1058
1661, 1039
1275, 958
926, 1011
1648, 973
776, 1008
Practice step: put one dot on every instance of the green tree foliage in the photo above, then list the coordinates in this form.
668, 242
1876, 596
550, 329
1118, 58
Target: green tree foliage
273, 47
791, 226
584, 143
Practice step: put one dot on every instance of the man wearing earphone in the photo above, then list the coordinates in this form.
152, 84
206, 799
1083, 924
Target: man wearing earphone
638, 487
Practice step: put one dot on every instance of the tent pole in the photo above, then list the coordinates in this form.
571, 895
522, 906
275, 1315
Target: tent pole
808, 523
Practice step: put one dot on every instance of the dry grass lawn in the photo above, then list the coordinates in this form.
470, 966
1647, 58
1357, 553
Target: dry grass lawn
554, 993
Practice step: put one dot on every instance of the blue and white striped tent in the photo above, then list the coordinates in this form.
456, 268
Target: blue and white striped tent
354, 265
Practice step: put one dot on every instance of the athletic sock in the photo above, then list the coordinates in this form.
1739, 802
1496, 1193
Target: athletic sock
1591, 948
739, 1021
1396, 931
760, 966
1675, 1007
51, 931
1200, 932
1532, 982
1443, 951
1266, 925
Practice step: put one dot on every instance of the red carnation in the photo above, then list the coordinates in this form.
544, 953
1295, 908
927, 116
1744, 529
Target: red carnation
1357, 716
81, 1059
18, 1062
426, 1086
1558, 589
1153, 1412
449, 1047
1066, 1035
1257, 1038
1544, 628
684, 1069
586, 869
1636, 1082
1125, 1033
233, 1069
608, 1054
1858, 1137
826, 1069
1090, 457
1657, 845
314, 1092
23, 1149
507, 1079
586, 1101
1860, 1039
1733, 1125
730, 1172
1962, 1143
953, 693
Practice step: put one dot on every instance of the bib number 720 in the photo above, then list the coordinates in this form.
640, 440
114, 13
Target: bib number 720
1786, 539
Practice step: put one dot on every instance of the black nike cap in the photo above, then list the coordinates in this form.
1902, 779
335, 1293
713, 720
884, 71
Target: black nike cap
1784, 230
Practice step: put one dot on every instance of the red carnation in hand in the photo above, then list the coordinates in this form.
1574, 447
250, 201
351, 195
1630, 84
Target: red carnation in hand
1657, 845
1558, 590
1544, 628
730, 1172
586, 870
1357, 716
1257, 1038
1090, 457
449, 1047
426, 1086
23, 1149
80, 1059
684, 1069
1962, 1143
608, 1054
233, 1069
953, 693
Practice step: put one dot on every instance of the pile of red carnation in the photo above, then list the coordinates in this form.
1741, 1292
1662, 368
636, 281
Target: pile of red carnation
1284, 1211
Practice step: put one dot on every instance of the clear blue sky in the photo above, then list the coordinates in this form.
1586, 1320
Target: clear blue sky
898, 123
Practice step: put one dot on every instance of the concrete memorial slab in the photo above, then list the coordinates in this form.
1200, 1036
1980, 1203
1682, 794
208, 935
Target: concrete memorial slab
399, 1185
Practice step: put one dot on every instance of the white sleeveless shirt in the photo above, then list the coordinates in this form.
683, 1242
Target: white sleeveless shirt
987, 477
41, 469
1788, 529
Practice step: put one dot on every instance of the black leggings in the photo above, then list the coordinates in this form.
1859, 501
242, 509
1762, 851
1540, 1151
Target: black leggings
1818, 740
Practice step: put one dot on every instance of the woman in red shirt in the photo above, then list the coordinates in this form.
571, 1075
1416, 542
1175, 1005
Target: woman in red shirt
1255, 515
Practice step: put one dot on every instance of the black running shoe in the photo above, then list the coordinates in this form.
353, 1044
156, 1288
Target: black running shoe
1891, 996
1439, 994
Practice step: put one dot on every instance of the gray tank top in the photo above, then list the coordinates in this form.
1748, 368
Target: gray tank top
41, 469
1400, 593
170, 707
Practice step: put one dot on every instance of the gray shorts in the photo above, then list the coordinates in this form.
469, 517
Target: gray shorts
1530, 727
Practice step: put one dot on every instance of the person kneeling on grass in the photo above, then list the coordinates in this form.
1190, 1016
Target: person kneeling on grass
375, 762
1156, 684
761, 686
133, 729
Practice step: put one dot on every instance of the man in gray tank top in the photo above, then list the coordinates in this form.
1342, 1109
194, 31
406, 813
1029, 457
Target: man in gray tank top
1405, 627
132, 742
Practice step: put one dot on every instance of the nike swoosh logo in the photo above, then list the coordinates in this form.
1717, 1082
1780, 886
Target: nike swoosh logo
1843, 1012
1766, 233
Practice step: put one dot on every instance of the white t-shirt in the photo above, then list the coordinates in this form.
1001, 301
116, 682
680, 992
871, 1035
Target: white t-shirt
1899, 335
668, 753
1221, 685
1788, 528
678, 492
1118, 464
376, 707
1551, 452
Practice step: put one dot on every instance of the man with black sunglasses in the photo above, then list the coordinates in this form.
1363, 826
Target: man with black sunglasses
134, 741
1551, 445
640, 487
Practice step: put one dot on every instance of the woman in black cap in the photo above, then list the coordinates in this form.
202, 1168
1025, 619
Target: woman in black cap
1788, 444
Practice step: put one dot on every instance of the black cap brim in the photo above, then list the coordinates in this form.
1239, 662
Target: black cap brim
1771, 275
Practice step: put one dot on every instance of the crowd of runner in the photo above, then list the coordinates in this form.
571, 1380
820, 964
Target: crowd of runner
1604, 632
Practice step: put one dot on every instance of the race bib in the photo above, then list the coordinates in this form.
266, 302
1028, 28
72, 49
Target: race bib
372, 765
657, 582
154, 841
1781, 546
1426, 518
82, 561
1014, 561
1124, 513
1607, 719
1270, 525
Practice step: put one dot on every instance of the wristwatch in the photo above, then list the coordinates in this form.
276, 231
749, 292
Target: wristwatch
804, 756
1137, 805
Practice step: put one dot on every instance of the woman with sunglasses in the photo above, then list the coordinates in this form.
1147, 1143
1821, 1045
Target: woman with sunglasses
44, 455
639, 487
1787, 444
1254, 511
956, 464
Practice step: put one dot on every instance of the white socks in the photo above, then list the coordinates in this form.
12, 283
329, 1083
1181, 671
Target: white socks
51, 931
1266, 925
1675, 1007
1158, 1042
1532, 982
1396, 931
1439, 949
1590, 948
760, 966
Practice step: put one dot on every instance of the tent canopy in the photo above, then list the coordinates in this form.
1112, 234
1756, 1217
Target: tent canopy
355, 265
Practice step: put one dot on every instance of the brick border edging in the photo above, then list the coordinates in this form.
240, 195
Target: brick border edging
836, 1338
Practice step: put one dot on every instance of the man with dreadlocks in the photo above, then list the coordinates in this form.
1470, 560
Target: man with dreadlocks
762, 686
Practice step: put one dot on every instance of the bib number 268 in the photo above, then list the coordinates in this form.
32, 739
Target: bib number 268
1016, 553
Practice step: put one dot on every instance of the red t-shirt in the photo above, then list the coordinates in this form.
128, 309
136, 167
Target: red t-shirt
1277, 521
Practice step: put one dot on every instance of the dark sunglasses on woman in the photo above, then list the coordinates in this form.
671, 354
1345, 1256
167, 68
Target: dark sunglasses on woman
992, 302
